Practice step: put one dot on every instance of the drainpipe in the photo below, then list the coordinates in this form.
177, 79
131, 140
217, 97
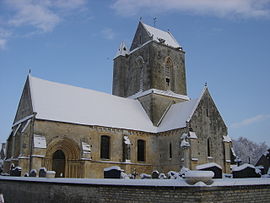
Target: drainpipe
31, 140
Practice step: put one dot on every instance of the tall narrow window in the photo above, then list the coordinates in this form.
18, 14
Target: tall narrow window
170, 150
208, 147
141, 150
105, 147
167, 71
140, 64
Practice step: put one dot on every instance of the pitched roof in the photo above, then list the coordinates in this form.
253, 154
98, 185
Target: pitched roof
160, 35
177, 115
65, 103
59, 102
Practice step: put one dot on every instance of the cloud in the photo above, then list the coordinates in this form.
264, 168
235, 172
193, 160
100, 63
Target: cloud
2, 43
220, 8
43, 15
38, 16
4, 34
35, 15
108, 33
250, 121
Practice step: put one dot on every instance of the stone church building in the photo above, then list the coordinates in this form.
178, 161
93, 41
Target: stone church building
149, 123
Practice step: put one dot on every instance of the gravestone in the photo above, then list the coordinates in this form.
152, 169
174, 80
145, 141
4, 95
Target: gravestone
162, 176
16, 171
245, 171
173, 175
33, 173
113, 172
215, 168
42, 172
155, 174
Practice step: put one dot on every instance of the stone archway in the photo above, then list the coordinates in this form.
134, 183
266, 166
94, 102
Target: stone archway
63, 156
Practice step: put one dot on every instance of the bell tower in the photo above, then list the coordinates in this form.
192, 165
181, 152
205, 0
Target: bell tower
152, 71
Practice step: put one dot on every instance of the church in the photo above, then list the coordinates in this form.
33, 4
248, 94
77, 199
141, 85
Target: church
148, 123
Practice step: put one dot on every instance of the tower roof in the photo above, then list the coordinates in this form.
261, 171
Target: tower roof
161, 36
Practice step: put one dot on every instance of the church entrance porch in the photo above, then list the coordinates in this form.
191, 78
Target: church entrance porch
63, 157
58, 163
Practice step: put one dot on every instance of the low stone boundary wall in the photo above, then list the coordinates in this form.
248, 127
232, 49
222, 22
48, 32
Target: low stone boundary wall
23, 189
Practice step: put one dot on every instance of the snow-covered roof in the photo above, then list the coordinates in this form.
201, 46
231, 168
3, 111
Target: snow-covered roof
207, 165
113, 168
177, 115
168, 93
65, 103
242, 167
161, 36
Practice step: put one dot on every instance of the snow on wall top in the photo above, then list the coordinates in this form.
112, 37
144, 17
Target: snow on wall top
59, 102
143, 182
177, 115
160, 92
161, 36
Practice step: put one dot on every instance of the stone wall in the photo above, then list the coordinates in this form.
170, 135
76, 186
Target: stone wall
26, 191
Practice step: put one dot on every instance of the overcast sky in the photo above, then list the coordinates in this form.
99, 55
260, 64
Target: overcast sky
74, 42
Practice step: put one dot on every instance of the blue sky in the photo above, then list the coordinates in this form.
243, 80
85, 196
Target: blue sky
74, 42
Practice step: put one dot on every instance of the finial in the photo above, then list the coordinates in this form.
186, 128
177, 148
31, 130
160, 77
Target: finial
205, 84
29, 71
141, 18
155, 21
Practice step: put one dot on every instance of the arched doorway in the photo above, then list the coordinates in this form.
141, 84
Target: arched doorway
58, 163
68, 151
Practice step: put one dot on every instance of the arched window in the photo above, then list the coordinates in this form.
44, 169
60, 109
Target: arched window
167, 70
141, 150
105, 147
208, 147
140, 63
